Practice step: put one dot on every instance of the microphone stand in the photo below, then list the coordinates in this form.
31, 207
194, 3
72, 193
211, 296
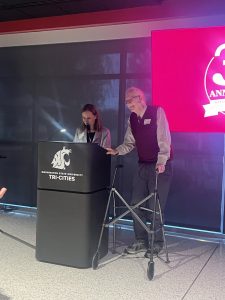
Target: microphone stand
88, 127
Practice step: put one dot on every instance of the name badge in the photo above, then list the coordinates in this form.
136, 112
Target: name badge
147, 121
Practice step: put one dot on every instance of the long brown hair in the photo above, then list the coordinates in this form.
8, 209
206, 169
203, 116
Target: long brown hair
93, 110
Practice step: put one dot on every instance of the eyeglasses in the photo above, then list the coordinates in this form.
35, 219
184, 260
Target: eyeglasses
130, 100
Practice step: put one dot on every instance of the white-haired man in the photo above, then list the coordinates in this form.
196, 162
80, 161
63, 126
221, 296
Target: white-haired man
148, 131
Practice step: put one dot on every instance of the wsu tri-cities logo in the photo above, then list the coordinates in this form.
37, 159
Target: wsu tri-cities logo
61, 159
214, 83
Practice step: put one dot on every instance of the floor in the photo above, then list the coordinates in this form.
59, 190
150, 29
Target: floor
196, 269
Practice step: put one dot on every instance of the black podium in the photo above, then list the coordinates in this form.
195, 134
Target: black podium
71, 202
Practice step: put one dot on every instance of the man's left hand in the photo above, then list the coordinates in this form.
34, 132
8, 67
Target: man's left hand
160, 168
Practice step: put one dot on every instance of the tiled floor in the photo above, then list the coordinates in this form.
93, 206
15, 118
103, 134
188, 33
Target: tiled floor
196, 269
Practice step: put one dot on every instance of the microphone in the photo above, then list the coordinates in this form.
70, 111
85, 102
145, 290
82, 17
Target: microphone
88, 127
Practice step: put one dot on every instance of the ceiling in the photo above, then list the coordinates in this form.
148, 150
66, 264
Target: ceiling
11, 10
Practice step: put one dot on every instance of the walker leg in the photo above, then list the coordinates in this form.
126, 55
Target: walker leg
163, 232
95, 258
114, 226
95, 261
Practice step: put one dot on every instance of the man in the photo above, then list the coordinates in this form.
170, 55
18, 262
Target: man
148, 131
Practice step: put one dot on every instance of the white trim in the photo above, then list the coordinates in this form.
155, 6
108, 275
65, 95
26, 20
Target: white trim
106, 32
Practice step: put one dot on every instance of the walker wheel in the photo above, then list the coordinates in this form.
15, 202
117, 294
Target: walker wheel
150, 271
124, 252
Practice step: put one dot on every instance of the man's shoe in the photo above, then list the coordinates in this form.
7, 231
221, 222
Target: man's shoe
136, 247
156, 250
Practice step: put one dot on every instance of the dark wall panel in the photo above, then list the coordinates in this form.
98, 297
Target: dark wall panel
196, 191
43, 88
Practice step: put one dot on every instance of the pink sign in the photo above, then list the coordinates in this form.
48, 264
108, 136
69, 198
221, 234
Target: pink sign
188, 78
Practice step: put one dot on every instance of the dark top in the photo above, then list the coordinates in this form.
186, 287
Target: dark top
90, 136
144, 131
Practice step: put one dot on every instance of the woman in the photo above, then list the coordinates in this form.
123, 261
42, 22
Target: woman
2, 192
91, 130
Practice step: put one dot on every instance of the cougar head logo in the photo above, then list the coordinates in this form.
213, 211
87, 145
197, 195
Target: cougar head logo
60, 161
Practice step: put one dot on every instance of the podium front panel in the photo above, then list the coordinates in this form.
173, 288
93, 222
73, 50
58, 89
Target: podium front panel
68, 227
75, 167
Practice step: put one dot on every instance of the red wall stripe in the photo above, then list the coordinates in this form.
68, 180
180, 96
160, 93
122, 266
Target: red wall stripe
80, 20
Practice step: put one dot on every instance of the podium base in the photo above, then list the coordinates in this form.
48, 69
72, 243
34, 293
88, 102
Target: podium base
68, 227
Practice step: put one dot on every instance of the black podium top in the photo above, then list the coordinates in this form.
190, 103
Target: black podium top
75, 167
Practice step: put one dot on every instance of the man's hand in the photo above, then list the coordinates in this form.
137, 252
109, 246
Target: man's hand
160, 168
111, 151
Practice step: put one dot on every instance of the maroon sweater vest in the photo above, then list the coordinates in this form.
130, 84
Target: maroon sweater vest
144, 131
